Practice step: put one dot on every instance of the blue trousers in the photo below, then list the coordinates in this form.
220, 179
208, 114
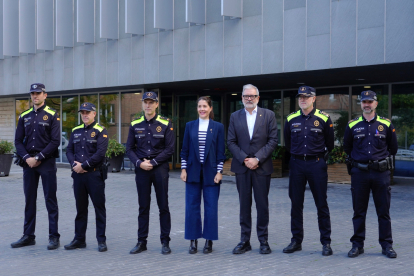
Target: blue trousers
193, 227
92, 184
315, 173
47, 171
362, 182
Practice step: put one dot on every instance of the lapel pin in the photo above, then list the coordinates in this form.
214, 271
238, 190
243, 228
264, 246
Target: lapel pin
260, 115
211, 130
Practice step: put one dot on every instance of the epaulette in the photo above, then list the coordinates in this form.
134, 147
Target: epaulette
98, 127
26, 111
76, 127
385, 119
137, 121
293, 115
324, 113
164, 118
353, 120
50, 110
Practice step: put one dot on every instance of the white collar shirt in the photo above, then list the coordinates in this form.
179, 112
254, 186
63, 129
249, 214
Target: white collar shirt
251, 120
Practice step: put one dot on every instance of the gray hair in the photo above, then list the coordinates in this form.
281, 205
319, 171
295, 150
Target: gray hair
250, 86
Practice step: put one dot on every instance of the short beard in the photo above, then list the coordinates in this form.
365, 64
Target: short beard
368, 111
254, 105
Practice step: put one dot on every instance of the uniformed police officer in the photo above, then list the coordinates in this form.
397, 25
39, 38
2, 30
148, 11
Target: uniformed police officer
86, 153
370, 141
37, 140
150, 146
309, 137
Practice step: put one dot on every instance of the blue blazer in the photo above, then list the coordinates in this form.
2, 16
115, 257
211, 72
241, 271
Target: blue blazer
213, 153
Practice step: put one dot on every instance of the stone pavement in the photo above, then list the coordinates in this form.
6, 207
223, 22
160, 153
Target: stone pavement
122, 212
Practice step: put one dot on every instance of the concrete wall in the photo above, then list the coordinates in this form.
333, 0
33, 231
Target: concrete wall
273, 36
7, 119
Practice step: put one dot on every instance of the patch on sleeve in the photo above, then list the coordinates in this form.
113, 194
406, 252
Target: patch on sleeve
105, 136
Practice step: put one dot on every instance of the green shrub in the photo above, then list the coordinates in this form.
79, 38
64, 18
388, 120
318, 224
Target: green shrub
278, 153
6, 147
114, 148
337, 155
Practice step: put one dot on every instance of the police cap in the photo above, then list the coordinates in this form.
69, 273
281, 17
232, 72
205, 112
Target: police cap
37, 87
87, 107
368, 96
306, 91
150, 95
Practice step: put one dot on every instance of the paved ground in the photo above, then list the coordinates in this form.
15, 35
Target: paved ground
122, 210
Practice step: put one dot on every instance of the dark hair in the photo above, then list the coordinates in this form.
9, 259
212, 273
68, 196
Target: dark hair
210, 104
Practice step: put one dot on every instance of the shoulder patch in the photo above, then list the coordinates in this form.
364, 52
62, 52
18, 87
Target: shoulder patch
26, 112
98, 127
77, 127
50, 110
137, 121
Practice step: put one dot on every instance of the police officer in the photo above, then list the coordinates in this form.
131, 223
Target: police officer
370, 141
309, 137
150, 145
86, 153
37, 140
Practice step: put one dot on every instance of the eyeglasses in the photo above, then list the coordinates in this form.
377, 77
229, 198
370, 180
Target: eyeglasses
250, 96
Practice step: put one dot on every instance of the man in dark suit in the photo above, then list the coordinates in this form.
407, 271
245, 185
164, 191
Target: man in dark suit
252, 137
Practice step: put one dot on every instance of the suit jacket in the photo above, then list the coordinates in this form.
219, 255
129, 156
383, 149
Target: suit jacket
213, 153
262, 144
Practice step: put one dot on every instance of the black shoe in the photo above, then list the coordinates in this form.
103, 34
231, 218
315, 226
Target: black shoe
75, 244
193, 247
208, 247
389, 252
102, 247
242, 247
355, 251
53, 244
327, 250
292, 247
25, 240
165, 249
265, 248
138, 248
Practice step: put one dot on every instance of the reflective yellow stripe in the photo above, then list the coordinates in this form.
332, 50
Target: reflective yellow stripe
162, 121
323, 117
137, 121
26, 112
385, 122
353, 123
98, 127
294, 115
50, 111
79, 126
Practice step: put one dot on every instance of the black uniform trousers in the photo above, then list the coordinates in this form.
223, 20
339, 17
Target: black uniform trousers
314, 172
362, 182
84, 185
260, 184
47, 171
158, 177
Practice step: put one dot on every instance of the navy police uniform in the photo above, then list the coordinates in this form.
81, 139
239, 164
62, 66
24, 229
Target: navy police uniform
369, 144
38, 135
307, 138
152, 140
88, 145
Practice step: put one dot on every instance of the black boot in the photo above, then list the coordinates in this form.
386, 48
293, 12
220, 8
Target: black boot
193, 247
208, 247
24, 241
53, 243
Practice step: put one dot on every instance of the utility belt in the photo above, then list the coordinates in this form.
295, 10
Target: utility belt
307, 157
103, 169
377, 165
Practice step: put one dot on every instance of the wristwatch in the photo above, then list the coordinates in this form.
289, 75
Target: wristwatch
221, 171
37, 157
257, 159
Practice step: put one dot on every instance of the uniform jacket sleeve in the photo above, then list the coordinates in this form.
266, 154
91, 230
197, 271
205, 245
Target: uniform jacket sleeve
130, 148
70, 151
286, 133
168, 149
266, 151
392, 140
329, 135
348, 141
99, 155
19, 138
54, 139
232, 141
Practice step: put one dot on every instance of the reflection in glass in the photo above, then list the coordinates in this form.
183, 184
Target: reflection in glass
131, 107
403, 121
69, 120
21, 105
89, 99
108, 110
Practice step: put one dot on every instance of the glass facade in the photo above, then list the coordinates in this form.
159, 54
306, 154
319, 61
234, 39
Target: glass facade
70, 119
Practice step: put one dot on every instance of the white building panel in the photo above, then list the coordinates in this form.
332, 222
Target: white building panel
1, 29
85, 23
195, 11
45, 25
163, 14
135, 17
64, 23
10, 28
232, 8
109, 19
27, 26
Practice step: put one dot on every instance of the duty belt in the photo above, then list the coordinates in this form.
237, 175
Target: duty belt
306, 157
376, 165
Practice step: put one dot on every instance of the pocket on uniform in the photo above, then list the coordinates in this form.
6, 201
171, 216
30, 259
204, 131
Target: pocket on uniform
295, 132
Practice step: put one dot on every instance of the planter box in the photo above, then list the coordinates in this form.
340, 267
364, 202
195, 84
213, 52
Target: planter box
115, 163
226, 167
338, 173
5, 164
277, 168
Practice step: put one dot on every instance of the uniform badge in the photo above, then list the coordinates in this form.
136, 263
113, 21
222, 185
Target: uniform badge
366, 93
380, 128
316, 123
158, 129
34, 86
93, 134
45, 117
303, 88
149, 94
84, 105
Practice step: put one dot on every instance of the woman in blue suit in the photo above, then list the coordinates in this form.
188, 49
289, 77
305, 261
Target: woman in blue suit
202, 158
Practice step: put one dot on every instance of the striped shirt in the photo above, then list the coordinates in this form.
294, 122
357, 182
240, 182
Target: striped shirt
202, 136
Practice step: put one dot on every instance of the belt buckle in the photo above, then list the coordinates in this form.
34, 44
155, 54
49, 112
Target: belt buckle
304, 157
